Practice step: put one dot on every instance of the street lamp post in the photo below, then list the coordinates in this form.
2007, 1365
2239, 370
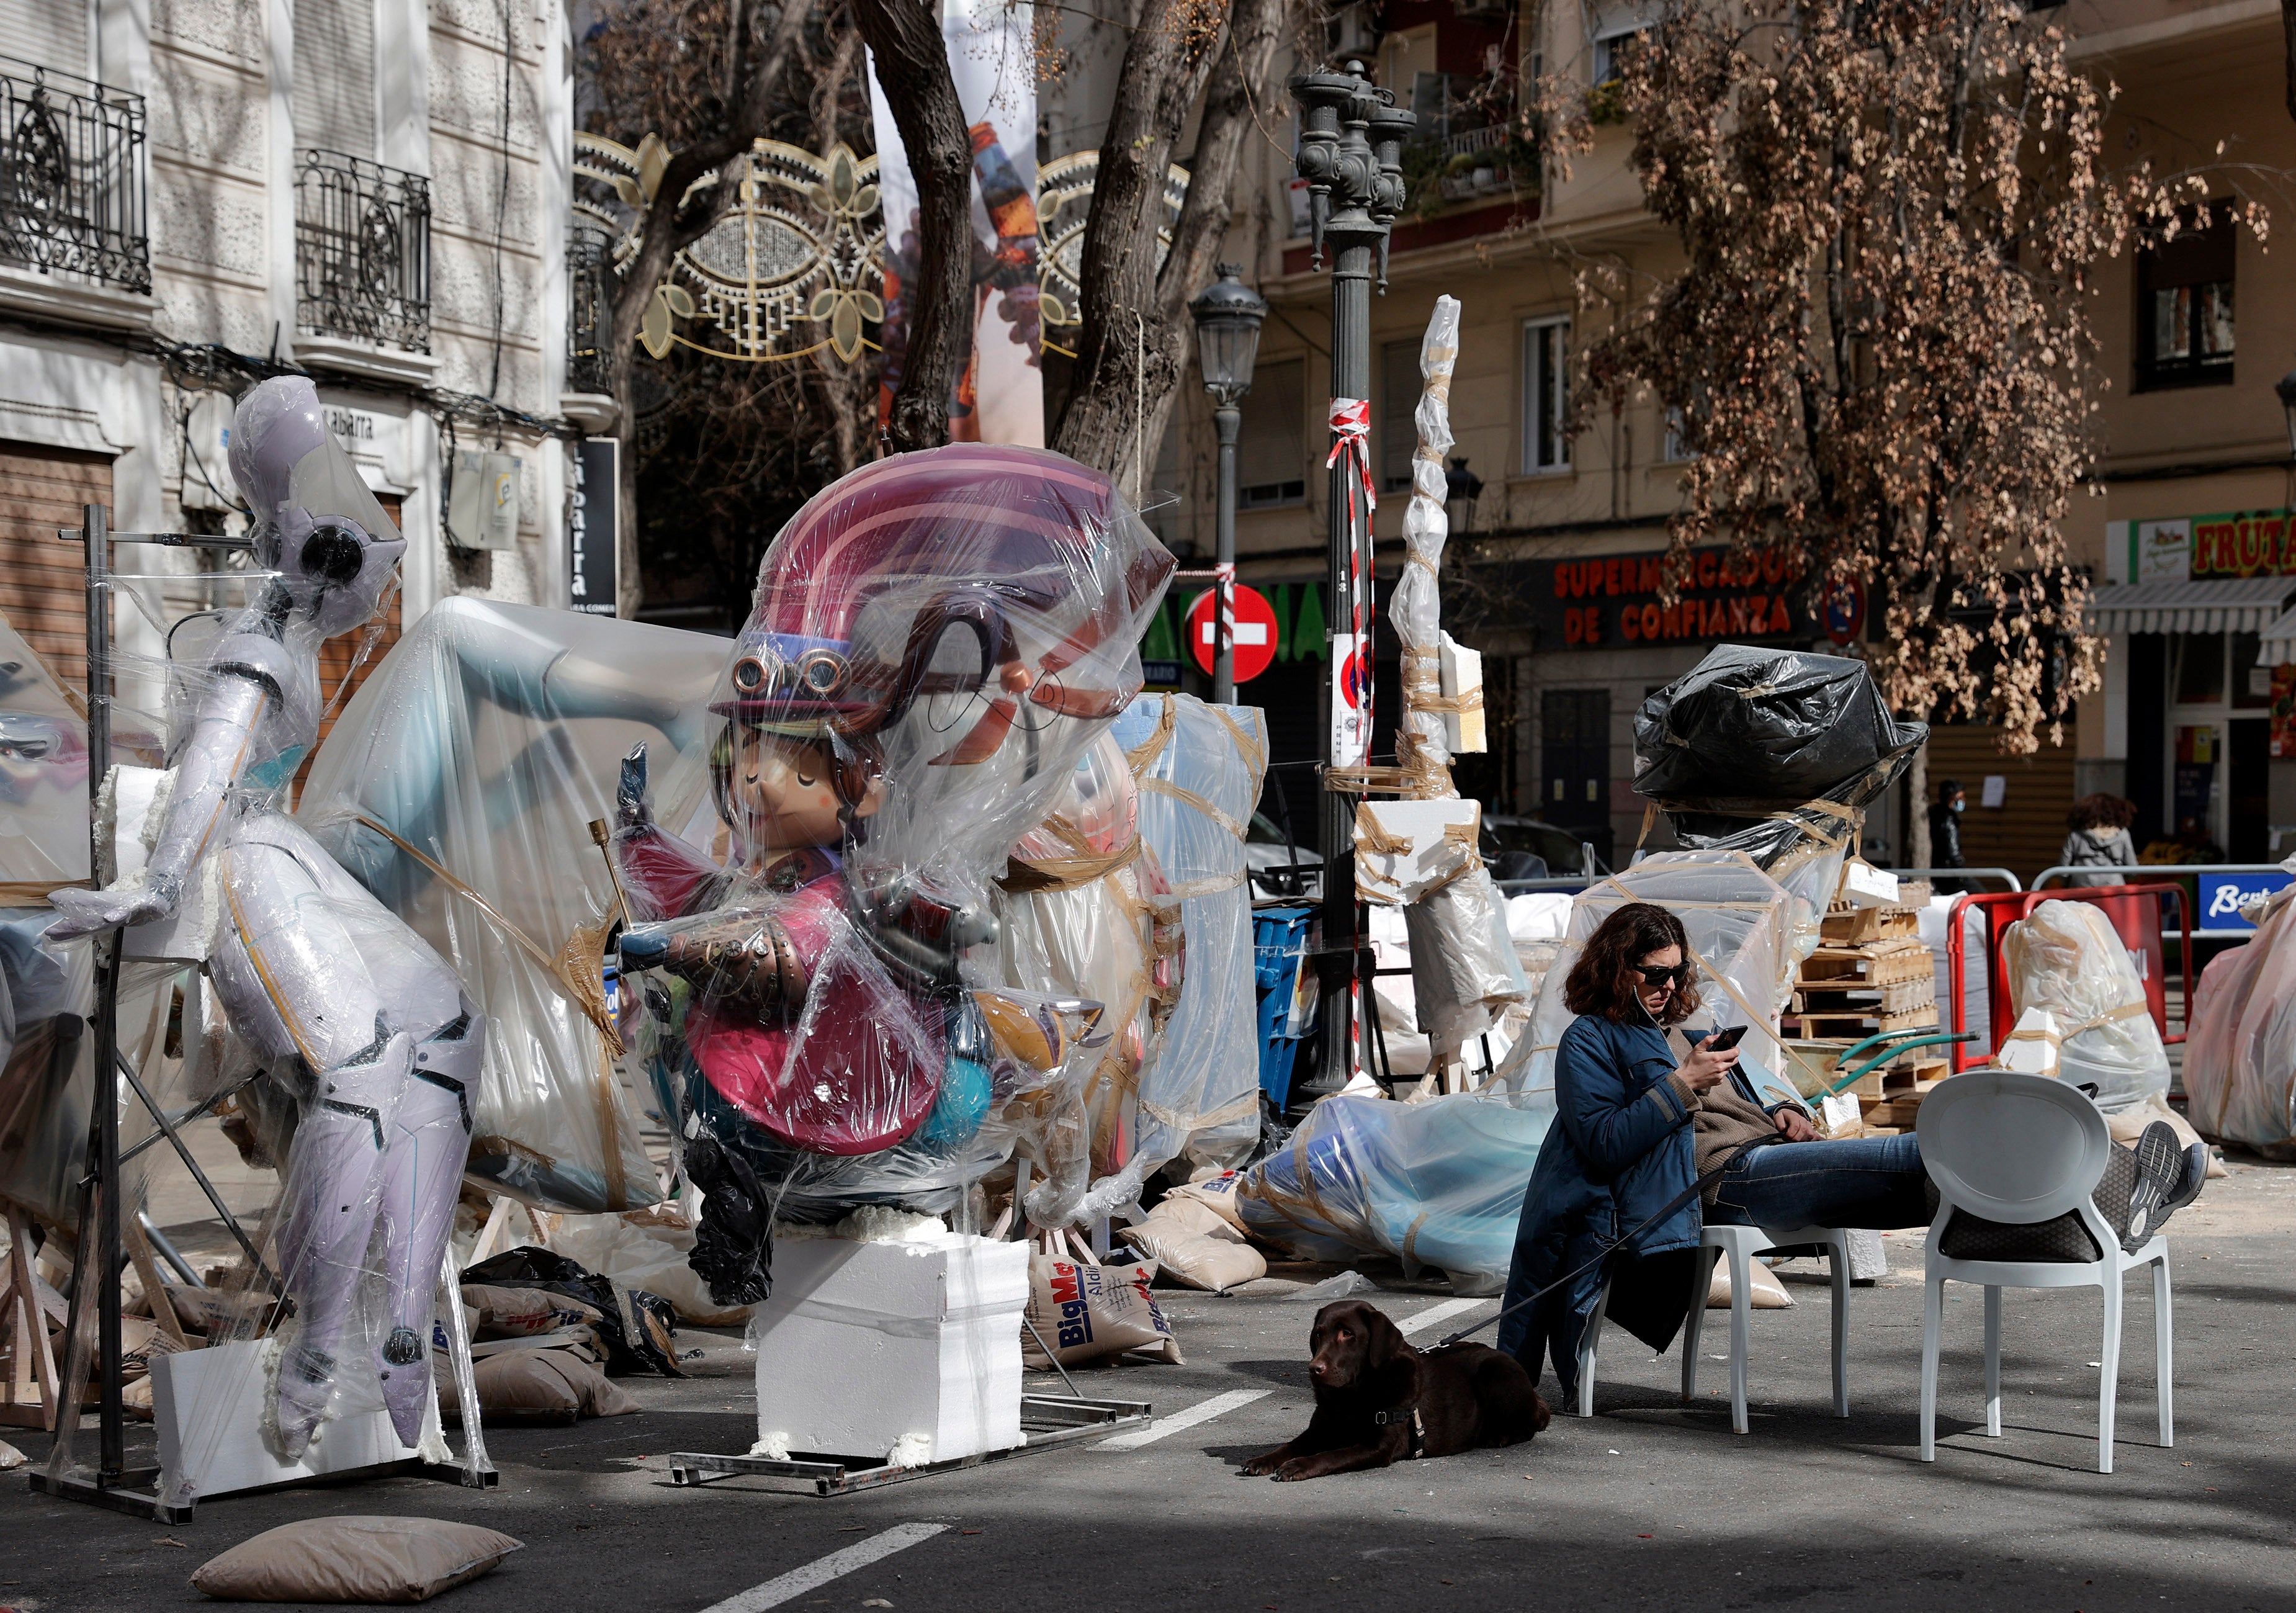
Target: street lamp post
2286, 387
1460, 488
1228, 315
1352, 137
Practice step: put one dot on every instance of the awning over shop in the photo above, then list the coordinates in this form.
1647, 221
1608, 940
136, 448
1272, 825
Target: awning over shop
2279, 642
2232, 605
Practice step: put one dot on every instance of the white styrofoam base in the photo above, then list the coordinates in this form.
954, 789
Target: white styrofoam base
210, 1408
910, 1351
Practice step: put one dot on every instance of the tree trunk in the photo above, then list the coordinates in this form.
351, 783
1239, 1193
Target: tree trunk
671, 224
913, 70
2288, 33
1917, 810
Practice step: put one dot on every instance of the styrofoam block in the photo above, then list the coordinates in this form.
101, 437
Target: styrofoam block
867, 1348
2031, 1049
1462, 671
1442, 835
1867, 886
210, 1408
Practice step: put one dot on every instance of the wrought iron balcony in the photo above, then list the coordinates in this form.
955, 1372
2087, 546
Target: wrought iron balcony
71, 176
362, 250
589, 311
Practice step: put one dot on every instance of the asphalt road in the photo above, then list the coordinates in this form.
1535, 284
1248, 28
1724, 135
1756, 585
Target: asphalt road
1651, 1504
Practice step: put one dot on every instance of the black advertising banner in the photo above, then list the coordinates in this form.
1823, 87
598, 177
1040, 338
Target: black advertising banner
1613, 601
595, 527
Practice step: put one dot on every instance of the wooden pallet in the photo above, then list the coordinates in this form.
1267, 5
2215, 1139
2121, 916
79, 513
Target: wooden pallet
1857, 997
1853, 1026
1855, 926
1876, 963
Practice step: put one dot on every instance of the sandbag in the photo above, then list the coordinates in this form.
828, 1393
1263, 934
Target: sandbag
1083, 1312
557, 1385
636, 1327
1769, 1293
524, 1312
642, 1251
370, 1559
2068, 958
2240, 1062
1195, 1245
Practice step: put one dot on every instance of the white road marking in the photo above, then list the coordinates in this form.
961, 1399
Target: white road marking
1432, 1314
797, 1582
1203, 1410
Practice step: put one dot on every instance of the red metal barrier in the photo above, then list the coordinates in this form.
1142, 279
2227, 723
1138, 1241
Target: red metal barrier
2136, 912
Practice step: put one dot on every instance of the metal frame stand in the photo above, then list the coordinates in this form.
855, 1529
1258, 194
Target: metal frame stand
113, 1485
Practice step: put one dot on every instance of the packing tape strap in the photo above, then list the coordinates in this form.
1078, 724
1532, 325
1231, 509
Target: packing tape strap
813, 1309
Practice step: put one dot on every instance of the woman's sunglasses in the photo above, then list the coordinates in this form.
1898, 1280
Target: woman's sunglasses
1674, 975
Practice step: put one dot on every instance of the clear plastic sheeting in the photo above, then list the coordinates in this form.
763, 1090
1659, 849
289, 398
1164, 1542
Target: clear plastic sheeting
1198, 769
359, 1026
460, 784
1437, 1184
1738, 921
2240, 1060
43, 777
2067, 957
936, 644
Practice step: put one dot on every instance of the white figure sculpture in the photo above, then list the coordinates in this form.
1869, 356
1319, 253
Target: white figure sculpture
346, 1007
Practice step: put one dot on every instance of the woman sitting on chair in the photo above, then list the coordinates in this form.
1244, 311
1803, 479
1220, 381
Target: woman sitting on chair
1643, 1110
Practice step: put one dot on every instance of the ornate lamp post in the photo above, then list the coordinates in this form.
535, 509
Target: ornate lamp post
1460, 488
1228, 315
2286, 387
1351, 135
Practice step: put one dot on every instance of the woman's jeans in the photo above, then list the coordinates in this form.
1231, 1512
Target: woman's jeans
1860, 1182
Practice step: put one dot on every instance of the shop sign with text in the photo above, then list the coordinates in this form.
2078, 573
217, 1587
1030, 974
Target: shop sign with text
2197, 548
1616, 601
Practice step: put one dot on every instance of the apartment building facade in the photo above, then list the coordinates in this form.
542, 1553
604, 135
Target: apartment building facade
201, 191
2195, 442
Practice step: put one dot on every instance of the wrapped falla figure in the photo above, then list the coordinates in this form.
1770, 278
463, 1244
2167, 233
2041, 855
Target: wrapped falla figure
937, 641
351, 1011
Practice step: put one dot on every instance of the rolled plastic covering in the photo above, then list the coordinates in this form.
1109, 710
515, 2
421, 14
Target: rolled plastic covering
1439, 1183
2240, 1059
1737, 920
1199, 768
459, 785
2067, 957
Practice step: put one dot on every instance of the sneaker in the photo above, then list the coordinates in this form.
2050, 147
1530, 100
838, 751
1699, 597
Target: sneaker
2168, 1177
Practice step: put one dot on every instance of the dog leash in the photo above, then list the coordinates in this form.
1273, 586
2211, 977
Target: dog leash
1665, 1210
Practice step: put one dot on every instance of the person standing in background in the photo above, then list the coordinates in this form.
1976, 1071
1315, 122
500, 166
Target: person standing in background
1945, 835
2098, 837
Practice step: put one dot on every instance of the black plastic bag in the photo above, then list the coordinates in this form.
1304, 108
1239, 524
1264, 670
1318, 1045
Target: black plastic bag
734, 1247
1752, 730
636, 1327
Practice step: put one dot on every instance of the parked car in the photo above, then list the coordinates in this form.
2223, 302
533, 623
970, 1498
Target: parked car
1511, 846
1280, 869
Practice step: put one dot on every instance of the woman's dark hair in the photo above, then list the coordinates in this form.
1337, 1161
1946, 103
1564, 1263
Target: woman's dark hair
1604, 980
2101, 811
1947, 788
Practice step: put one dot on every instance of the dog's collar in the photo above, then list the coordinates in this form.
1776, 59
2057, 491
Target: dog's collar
1398, 1415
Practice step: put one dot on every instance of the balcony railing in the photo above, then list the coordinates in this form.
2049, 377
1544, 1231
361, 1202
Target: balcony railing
71, 176
589, 312
362, 250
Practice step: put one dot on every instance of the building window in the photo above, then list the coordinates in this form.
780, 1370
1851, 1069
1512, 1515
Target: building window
1673, 447
1611, 46
1398, 425
1546, 395
2184, 306
1270, 466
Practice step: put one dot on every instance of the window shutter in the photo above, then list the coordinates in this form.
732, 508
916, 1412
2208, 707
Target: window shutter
53, 34
334, 75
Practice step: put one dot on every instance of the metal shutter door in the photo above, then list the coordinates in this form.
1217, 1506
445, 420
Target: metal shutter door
44, 582
53, 34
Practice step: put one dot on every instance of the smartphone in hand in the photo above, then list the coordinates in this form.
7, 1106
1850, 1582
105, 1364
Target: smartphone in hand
1722, 1041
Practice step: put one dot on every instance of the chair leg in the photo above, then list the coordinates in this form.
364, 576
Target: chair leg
2109, 1375
1837, 1266
1701, 1283
1932, 1321
1742, 1303
1993, 1360
1586, 1353
2164, 1351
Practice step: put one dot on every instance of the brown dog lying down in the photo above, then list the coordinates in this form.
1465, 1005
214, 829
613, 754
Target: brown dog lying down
1379, 1399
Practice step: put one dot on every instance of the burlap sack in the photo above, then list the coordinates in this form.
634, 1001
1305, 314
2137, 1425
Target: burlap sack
369, 1560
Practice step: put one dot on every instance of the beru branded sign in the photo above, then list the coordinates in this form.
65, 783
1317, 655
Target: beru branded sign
1616, 600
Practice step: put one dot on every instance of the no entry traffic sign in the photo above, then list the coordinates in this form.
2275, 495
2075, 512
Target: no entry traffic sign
1254, 631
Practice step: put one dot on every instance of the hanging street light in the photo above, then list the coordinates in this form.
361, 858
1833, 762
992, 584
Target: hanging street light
2286, 387
1460, 488
1228, 315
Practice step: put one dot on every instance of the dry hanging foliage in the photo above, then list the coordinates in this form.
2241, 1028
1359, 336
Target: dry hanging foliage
1881, 350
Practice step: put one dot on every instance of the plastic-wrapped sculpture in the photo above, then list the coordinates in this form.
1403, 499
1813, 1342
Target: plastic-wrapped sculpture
937, 642
340, 1001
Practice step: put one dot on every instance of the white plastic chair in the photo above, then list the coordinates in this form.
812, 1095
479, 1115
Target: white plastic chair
2021, 1150
1740, 1244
